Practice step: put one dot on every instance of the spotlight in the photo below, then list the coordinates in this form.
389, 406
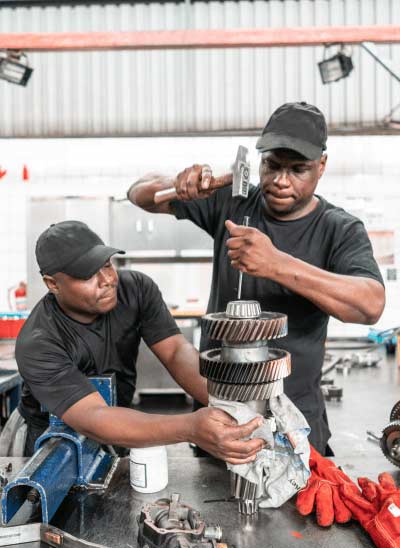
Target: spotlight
14, 67
335, 68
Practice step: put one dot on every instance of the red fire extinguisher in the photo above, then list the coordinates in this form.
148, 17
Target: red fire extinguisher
17, 297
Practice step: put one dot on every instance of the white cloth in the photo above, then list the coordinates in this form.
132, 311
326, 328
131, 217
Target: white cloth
282, 468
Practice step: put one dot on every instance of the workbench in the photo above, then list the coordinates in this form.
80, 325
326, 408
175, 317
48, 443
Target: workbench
109, 517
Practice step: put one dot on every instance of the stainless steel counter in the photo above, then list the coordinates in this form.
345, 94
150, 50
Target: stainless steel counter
110, 518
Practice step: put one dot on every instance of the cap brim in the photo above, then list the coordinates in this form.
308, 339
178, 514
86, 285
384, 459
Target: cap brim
272, 141
86, 266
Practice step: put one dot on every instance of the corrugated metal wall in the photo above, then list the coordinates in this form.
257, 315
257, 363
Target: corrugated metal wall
120, 93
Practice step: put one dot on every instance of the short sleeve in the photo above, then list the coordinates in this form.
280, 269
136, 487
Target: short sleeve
207, 212
49, 373
352, 253
156, 322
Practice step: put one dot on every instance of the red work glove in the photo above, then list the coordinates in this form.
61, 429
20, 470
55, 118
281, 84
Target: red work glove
377, 509
322, 492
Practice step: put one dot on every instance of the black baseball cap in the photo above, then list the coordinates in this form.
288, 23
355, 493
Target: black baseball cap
296, 126
71, 247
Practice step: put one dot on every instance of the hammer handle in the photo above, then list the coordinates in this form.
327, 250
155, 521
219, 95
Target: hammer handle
165, 195
168, 194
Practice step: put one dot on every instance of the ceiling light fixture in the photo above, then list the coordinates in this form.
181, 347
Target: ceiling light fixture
336, 67
14, 67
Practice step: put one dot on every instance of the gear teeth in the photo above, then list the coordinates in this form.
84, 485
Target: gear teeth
269, 325
385, 443
245, 392
215, 369
395, 412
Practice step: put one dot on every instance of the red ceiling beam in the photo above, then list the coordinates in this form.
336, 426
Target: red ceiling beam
187, 39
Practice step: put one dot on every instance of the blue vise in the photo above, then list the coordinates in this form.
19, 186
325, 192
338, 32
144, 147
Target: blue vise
62, 459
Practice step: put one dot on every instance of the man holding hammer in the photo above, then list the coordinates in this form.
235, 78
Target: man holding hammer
304, 256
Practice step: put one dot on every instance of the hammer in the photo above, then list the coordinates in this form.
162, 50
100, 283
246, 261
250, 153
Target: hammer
240, 180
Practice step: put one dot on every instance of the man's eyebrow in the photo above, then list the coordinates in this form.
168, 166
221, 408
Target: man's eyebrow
293, 162
270, 159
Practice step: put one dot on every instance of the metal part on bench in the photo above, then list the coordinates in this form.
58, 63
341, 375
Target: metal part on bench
168, 523
390, 442
41, 532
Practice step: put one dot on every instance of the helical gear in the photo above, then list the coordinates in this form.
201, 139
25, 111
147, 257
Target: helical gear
215, 369
267, 326
245, 392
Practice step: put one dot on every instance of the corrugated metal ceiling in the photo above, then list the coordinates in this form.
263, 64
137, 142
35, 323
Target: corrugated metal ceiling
120, 93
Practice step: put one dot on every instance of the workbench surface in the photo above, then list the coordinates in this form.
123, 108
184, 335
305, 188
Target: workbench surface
110, 518
368, 395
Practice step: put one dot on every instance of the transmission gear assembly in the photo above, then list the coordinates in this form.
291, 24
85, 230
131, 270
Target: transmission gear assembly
245, 368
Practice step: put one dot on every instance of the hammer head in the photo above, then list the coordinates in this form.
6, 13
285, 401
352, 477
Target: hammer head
241, 173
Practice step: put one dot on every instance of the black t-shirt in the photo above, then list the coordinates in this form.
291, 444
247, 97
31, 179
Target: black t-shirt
55, 353
328, 237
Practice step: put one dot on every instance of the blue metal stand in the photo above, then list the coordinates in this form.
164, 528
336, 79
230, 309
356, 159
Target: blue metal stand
63, 459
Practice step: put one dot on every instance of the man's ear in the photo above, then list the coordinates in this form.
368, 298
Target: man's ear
322, 165
51, 284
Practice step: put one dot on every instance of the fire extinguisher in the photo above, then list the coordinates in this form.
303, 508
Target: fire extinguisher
17, 297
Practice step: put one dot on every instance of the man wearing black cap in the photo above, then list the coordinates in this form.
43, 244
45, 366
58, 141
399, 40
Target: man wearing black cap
305, 257
91, 322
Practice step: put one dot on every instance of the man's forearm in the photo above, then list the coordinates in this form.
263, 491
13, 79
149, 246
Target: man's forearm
184, 368
130, 428
142, 192
348, 298
212, 429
